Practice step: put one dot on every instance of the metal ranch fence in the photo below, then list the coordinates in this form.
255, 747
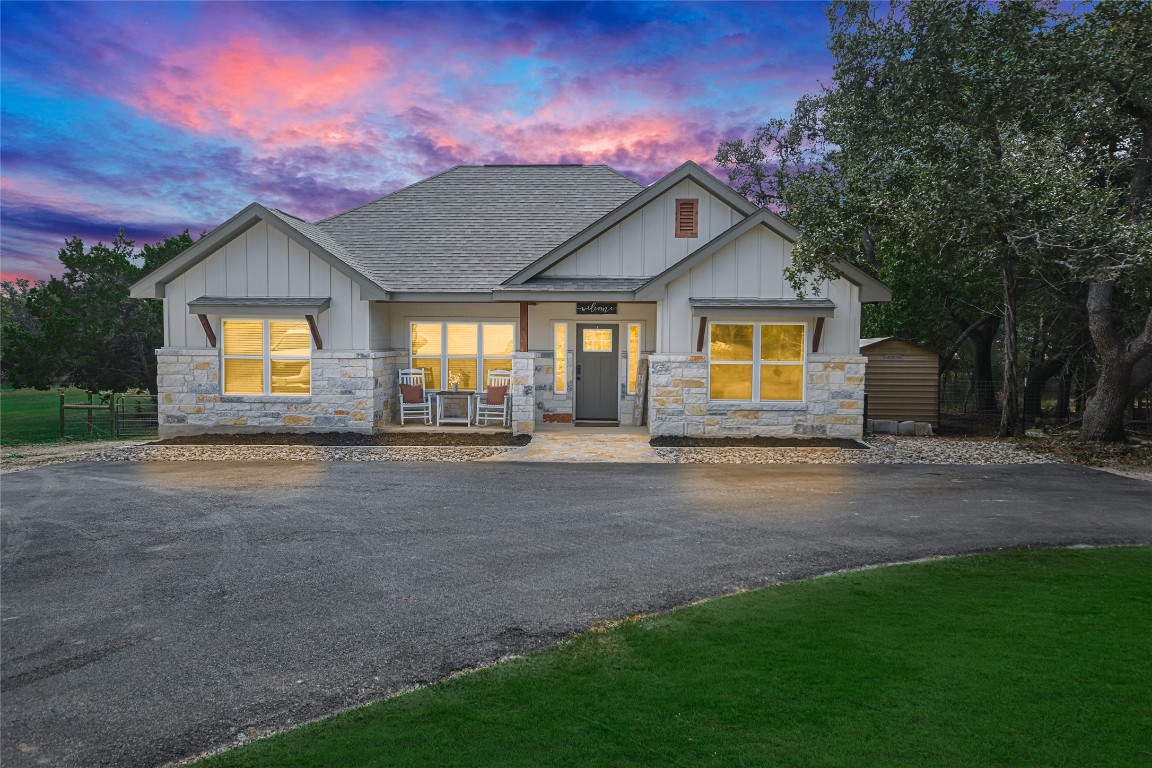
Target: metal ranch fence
108, 416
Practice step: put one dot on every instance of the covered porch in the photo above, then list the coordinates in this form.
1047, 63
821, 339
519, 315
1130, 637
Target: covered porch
571, 361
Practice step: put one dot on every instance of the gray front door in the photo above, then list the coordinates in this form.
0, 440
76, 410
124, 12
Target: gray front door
597, 372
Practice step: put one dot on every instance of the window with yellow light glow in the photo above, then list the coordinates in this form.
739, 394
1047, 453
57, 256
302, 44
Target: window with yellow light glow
560, 382
757, 362
597, 339
460, 353
267, 357
633, 356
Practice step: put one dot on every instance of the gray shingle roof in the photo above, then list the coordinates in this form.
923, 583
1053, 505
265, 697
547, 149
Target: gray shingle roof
471, 227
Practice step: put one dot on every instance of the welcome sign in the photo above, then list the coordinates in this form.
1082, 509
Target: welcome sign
595, 308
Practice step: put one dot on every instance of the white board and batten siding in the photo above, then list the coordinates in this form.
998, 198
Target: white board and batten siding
645, 243
753, 267
264, 262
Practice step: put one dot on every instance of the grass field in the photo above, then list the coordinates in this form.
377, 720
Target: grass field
1037, 658
33, 416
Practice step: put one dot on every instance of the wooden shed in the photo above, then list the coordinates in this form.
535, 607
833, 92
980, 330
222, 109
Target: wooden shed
901, 380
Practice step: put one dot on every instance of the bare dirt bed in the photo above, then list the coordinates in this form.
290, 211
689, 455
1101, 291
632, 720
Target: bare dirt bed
757, 442
354, 439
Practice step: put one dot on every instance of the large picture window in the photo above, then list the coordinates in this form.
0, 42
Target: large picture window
756, 362
460, 353
267, 357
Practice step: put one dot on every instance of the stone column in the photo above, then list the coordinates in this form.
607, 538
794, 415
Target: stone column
386, 375
835, 396
677, 394
523, 393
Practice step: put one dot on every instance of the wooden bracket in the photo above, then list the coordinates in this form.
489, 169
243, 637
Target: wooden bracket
817, 334
315, 331
208, 332
701, 334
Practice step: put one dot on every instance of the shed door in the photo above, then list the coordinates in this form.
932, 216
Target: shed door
597, 372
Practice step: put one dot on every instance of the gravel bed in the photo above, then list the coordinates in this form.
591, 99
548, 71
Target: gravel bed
297, 453
884, 450
443, 436
14, 458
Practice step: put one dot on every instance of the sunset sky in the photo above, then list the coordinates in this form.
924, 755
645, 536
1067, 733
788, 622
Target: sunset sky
155, 117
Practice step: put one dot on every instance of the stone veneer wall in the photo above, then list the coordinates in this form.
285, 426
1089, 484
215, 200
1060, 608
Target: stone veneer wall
351, 392
678, 401
550, 406
523, 393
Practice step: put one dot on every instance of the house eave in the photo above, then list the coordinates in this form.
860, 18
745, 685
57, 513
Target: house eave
740, 307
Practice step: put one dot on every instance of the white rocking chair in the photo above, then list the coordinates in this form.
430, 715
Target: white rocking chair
420, 408
502, 408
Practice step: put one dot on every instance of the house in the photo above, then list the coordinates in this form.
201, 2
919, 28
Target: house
569, 276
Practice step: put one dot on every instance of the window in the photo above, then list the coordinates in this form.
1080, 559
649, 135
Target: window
687, 218
633, 356
597, 339
764, 359
560, 369
460, 353
267, 357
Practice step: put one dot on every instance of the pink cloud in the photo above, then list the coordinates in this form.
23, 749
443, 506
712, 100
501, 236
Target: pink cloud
248, 88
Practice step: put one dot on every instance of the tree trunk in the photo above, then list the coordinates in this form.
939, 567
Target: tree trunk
948, 356
1064, 398
1104, 416
1037, 377
1141, 377
983, 387
1009, 420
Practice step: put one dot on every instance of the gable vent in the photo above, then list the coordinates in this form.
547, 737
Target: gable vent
687, 217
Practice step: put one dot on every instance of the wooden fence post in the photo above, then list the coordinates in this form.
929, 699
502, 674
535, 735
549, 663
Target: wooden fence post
112, 414
61, 415
88, 416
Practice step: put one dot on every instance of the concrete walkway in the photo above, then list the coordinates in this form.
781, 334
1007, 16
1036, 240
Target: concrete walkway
568, 444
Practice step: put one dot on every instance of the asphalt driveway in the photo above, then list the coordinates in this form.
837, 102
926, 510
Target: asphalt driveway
151, 611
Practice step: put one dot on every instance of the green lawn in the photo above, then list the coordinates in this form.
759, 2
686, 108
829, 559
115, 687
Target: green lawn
33, 416
1037, 658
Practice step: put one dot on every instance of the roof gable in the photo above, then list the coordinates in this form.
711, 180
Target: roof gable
688, 170
151, 286
871, 289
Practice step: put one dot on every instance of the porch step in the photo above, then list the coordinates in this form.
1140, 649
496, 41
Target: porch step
583, 446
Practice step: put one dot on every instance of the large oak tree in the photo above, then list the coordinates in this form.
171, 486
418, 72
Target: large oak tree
968, 151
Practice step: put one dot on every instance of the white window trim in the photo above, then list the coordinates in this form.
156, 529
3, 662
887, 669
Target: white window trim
266, 358
444, 345
756, 362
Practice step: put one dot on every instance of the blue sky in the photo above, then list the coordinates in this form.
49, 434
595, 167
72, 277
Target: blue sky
155, 117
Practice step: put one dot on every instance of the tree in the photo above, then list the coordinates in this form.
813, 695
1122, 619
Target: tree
82, 329
1112, 47
963, 150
